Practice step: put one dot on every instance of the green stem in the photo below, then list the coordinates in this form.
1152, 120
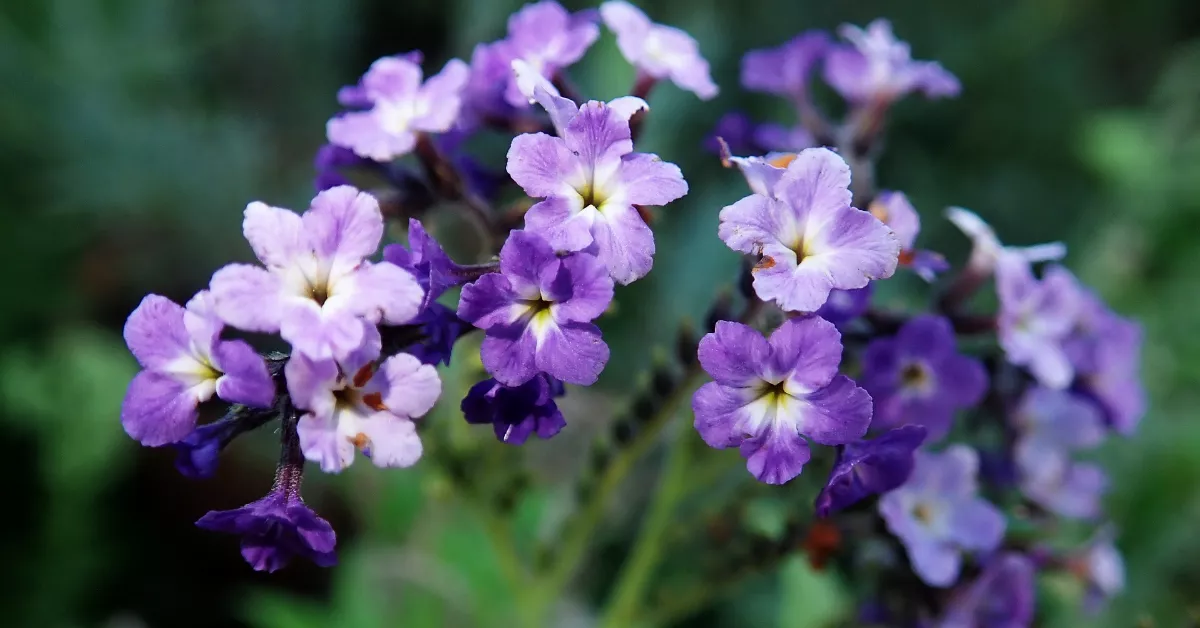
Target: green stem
501, 538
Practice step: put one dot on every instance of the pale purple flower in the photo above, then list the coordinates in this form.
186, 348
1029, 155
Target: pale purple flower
782, 139
516, 412
919, 377
184, 363
590, 180
277, 528
785, 70
987, 249
1100, 566
484, 95
1105, 351
657, 50
354, 403
1035, 318
769, 394
401, 106
547, 38
843, 306
537, 313
317, 290
811, 240
894, 209
938, 516
878, 68
1002, 596
1052, 425
870, 467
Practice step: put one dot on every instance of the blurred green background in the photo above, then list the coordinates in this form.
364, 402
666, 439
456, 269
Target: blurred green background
135, 131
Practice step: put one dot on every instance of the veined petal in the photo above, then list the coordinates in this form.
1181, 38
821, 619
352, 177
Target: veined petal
322, 443
837, 414
852, 247
816, 185
717, 409
392, 441
574, 353
276, 234
363, 132
624, 243
159, 409
734, 354
155, 332
410, 388
753, 222
344, 226
591, 290
540, 164
508, 353
561, 222
487, 302
311, 384
321, 333
648, 180
601, 137
248, 297
380, 292
805, 352
245, 378
776, 455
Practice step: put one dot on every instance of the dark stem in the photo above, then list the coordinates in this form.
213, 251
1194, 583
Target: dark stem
290, 472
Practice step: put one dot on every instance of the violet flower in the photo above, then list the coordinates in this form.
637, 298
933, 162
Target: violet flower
843, 306
317, 290
547, 38
590, 180
1035, 318
811, 240
427, 261
1105, 351
870, 467
736, 130
184, 363
785, 70
937, 515
658, 51
918, 377
1002, 596
400, 107
894, 209
878, 68
537, 313
1052, 425
516, 412
778, 138
769, 394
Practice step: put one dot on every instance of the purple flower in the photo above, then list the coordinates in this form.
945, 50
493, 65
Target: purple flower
987, 249
1100, 566
937, 515
400, 107
185, 362
769, 394
441, 328
1035, 318
590, 180
918, 377
276, 528
738, 132
548, 38
537, 313
484, 94
785, 70
355, 404
1105, 350
658, 51
870, 467
778, 138
878, 68
515, 412
844, 306
894, 209
1052, 425
1001, 597
427, 261
317, 290
810, 238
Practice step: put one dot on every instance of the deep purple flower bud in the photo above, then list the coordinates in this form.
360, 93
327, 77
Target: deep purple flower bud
769, 394
870, 467
918, 377
811, 240
1052, 425
441, 327
658, 51
844, 306
1001, 597
515, 412
894, 209
427, 261
937, 514
1035, 318
878, 68
785, 70
198, 451
548, 38
538, 312
184, 363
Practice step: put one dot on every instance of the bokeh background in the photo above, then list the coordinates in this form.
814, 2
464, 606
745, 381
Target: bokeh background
133, 132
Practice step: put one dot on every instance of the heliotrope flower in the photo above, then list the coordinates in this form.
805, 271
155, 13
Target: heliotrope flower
185, 362
516, 412
811, 240
537, 313
590, 179
878, 68
918, 377
657, 50
1105, 351
400, 107
986, 248
870, 467
317, 290
1035, 318
785, 70
843, 306
1052, 425
548, 38
1100, 566
937, 515
769, 394
894, 209
1002, 596
354, 403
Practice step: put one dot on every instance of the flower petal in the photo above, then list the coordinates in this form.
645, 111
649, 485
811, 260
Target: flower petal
487, 302
716, 408
624, 243
381, 292
155, 332
817, 185
574, 353
806, 352
441, 97
588, 290
776, 455
508, 352
938, 564
276, 234
321, 333
648, 180
323, 444
540, 164
344, 226
410, 388
248, 297
837, 414
158, 409
393, 441
245, 378
734, 354
976, 525
363, 133
562, 223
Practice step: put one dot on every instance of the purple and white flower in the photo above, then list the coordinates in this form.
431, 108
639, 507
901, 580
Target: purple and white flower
277, 528
878, 68
354, 403
895, 211
398, 107
870, 467
1002, 596
547, 38
538, 312
590, 180
658, 51
769, 394
1052, 425
184, 363
516, 412
918, 377
317, 290
1035, 318
811, 240
938, 516
785, 70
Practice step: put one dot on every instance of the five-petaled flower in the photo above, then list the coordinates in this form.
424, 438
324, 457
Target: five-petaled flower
658, 51
538, 312
811, 240
785, 70
878, 68
1035, 319
184, 363
317, 290
768, 394
1052, 425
